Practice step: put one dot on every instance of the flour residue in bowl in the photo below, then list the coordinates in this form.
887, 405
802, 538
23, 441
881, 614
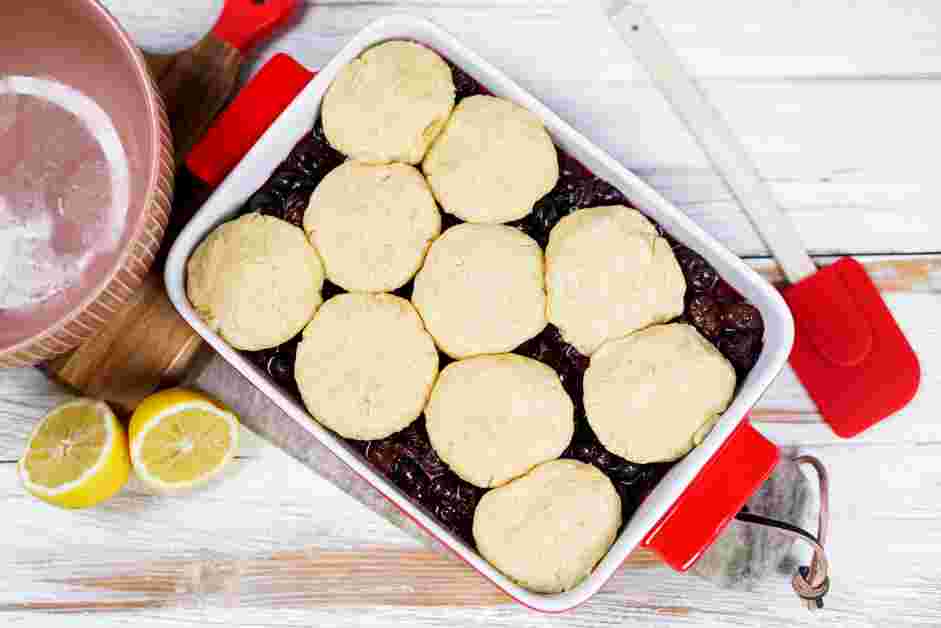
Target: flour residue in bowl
64, 189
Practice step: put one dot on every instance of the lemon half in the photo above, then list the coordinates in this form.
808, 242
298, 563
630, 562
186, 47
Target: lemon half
181, 439
77, 456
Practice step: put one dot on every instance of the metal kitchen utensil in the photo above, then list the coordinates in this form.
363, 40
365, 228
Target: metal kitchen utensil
849, 352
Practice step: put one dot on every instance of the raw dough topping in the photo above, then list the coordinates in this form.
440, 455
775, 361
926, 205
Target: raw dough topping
654, 395
366, 365
406, 458
255, 280
372, 225
548, 529
494, 417
608, 273
481, 290
493, 161
389, 104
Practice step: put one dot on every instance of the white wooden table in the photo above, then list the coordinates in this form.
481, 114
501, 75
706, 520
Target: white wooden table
839, 103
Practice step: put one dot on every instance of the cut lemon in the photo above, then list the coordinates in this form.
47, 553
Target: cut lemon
181, 439
77, 456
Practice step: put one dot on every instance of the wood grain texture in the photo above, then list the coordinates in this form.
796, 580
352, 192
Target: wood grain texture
242, 551
196, 84
837, 101
144, 345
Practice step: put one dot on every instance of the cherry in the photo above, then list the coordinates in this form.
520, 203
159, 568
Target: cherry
384, 454
741, 349
741, 317
704, 313
700, 276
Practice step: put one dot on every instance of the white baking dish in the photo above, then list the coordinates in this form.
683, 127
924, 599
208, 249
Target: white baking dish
298, 118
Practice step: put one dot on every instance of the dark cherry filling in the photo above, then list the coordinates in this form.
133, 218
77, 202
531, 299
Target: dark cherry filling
407, 458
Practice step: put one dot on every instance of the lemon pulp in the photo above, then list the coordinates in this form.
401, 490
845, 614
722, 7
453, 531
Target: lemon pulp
181, 438
77, 456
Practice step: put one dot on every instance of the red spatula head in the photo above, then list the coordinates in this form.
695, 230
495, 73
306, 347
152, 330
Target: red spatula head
849, 352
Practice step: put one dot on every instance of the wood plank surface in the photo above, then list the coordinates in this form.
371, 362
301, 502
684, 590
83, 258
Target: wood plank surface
838, 103
229, 548
307, 547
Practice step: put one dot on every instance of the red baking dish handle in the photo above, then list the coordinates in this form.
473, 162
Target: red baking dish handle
247, 118
716, 495
244, 23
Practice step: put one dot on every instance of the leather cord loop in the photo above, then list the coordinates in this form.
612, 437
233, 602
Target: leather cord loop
811, 583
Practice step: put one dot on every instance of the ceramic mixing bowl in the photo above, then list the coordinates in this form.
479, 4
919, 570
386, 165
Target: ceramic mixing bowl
86, 174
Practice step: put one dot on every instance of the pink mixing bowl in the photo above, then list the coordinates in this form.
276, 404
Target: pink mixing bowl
74, 51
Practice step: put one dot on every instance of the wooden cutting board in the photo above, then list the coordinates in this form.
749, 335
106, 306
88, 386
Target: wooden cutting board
148, 344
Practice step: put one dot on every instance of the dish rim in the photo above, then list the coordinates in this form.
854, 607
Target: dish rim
297, 119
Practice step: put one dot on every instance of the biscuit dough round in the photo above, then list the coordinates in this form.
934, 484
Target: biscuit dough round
548, 529
492, 162
372, 224
389, 104
608, 273
256, 281
654, 395
365, 365
492, 418
481, 290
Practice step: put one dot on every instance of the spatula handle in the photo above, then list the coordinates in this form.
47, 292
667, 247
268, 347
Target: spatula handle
724, 150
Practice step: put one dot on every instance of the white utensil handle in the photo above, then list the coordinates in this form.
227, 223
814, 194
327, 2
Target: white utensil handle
716, 138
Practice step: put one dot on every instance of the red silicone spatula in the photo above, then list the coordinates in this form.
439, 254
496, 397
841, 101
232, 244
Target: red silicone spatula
849, 353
